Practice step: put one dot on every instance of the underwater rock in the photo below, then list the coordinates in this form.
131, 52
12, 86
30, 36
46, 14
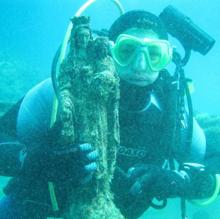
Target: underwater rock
16, 78
211, 127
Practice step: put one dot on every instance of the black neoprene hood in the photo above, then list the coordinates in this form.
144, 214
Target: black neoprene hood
140, 19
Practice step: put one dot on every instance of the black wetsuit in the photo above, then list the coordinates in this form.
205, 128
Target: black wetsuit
143, 120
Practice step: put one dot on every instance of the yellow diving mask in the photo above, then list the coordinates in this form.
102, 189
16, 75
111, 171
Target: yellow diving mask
158, 53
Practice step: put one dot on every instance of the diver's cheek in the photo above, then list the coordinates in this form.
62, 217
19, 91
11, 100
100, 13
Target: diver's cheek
152, 76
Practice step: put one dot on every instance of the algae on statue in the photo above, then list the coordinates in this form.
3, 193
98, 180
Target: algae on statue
70, 70
89, 89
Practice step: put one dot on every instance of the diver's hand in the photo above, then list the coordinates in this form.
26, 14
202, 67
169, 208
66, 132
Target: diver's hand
70, 164
154, 182
75, 164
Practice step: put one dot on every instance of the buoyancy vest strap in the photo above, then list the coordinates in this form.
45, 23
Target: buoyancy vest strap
51, 188
54, 112
53, 198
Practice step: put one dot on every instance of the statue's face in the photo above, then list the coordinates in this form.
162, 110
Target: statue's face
82, 38
102, 47
139, 56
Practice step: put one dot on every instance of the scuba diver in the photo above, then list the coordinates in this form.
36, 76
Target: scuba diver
162, 147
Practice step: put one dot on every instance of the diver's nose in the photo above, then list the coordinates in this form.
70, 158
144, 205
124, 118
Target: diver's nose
139, 63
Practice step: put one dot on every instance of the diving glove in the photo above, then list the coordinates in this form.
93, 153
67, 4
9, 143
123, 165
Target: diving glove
191, 181
72, 164
154, 182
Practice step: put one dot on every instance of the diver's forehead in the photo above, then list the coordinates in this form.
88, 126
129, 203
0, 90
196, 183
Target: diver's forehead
141, 33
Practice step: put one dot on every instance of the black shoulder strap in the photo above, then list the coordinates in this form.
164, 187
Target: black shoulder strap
166, 86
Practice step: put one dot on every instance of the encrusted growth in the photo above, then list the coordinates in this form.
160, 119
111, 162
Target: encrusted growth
89, 94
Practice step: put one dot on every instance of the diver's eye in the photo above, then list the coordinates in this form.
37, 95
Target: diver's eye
127, 48
125, 51
154, 53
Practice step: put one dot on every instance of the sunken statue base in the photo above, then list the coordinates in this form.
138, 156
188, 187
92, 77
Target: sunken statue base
90, 87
